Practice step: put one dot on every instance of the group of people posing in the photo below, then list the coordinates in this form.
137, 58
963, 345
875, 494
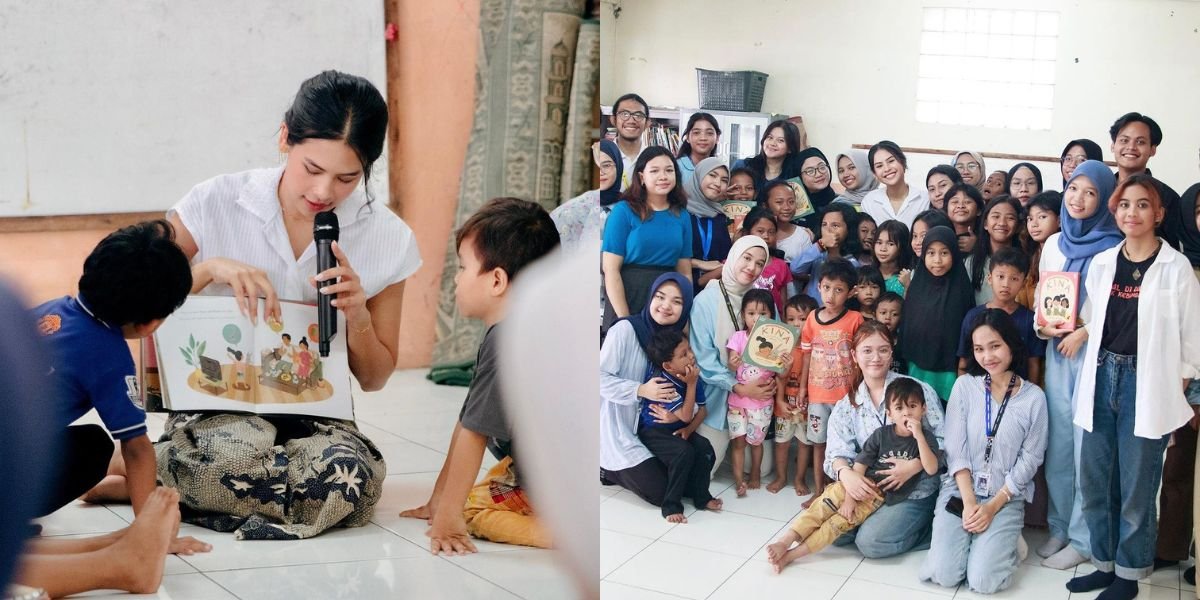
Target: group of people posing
924, 395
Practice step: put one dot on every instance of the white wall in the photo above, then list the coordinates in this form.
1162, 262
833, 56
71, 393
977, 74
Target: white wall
850, 68
124, 106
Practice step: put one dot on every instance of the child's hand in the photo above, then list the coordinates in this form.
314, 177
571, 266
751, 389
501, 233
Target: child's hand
691, 375
657, 389
662, 415
847, 508
782, 410
905, 277
786, 359
683, 432
450, 536
830, 239
913, 426
735, 361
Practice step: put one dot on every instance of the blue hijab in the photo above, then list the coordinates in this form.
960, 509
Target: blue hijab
645, 326
1083, 239
612, 194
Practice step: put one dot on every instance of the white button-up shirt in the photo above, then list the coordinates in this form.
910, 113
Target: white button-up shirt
876, 204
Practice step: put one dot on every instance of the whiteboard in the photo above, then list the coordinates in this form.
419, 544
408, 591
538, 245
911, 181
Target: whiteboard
110, 107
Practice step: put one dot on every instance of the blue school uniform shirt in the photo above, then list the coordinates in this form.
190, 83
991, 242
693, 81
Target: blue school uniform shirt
646, 418
659, 241
91, 367
1023, 319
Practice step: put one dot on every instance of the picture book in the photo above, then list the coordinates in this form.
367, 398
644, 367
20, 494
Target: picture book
804, 206
1058, 300
736, 211
768, 342
207, 356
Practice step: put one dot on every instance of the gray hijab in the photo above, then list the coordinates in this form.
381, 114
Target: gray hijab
697, 204
866, 179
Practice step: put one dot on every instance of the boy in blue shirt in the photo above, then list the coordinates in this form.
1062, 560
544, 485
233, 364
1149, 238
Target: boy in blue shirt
1009, 268
689, 457
131, 282
495, 244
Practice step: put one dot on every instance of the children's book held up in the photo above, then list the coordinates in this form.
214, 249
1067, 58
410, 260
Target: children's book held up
804, 206
768, 343
207, 356
1058, 300
736, 211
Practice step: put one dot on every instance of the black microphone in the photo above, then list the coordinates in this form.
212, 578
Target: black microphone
325, 233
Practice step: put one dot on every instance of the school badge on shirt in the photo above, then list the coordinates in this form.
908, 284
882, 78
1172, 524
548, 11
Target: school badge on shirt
131, 389
49, 324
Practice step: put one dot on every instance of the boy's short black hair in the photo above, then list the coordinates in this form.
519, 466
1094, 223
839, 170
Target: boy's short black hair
509, 233
635, 98
802, 302
1003, 324
1136, 117
663, 344
903, 389
870, 275
761, 296
1012, 257
839, 269
890, 297
1049, 201
135, 275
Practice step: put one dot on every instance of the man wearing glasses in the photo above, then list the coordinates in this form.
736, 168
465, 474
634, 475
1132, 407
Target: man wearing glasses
631, 117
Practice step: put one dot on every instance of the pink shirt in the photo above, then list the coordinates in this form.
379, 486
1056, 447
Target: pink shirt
747, 373
775, 278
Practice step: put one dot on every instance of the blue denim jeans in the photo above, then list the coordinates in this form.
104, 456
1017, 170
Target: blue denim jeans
986, 560
1120, 474
1065, 514
894, 529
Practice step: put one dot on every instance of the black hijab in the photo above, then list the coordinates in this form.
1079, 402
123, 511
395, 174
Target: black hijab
644, 325
819, 198
613, 193
934, 308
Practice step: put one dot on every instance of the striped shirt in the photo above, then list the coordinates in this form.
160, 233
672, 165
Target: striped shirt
238, 216
1020, 442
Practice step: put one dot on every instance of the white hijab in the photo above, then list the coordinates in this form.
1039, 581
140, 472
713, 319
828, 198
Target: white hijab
724, 327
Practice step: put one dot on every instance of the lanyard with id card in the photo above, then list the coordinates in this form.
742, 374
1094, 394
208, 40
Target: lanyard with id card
983, 478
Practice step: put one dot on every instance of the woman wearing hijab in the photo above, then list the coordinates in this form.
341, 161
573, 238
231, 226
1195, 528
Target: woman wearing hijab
937, 301
624, 459
714, 318
972, 168
1087, 229
1073, 155
856, 176
580, 220
817, 178
710, 228
1024, 182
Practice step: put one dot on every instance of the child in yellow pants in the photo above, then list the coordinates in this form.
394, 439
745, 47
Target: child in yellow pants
497, 510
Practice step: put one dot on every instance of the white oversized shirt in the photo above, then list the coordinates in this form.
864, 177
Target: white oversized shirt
1168, 344
876, 204
237, 216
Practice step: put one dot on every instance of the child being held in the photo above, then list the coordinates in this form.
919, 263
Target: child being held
866, 293
748, 417
668, 427
836, 511
888, 311
791, 416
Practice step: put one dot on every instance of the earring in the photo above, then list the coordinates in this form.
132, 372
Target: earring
282, 158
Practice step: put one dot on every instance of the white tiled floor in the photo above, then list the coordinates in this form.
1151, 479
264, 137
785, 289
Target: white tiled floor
720, 556
410, 420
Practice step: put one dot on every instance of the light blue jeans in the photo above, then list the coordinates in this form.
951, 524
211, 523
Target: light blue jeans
986, 560
893, 529
1065, 514
1120, 474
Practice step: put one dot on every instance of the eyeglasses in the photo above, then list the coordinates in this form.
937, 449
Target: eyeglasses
972, 166
625, 115
1073, 159
812, 171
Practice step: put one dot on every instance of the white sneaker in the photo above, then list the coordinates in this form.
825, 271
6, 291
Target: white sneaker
1022, 549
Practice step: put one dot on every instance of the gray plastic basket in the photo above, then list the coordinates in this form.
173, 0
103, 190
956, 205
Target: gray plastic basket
731, 90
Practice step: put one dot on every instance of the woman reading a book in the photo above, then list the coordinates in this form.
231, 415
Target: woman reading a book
1143, 350
1087, 230
250, 235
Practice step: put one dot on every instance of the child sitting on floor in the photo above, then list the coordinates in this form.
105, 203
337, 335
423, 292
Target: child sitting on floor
668, 427
495, 244
836, 512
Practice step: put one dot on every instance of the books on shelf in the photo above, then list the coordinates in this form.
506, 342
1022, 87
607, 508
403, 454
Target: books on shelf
1058, 300
207, 356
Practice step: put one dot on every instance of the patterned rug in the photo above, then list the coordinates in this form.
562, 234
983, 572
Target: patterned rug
522, 100
577, 153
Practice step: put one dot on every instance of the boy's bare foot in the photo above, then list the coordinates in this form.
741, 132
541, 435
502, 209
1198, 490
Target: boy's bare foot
775, 485
110, 490
139, 555
776, 553
676, 518
788, 557
715, 505
740, 486
808, 503
801, 487
755, 481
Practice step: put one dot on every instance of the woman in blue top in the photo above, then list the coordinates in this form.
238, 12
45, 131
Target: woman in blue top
647, 234
710, 228
714, 318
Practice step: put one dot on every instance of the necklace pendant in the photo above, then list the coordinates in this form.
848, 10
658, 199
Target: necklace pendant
1137, 274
